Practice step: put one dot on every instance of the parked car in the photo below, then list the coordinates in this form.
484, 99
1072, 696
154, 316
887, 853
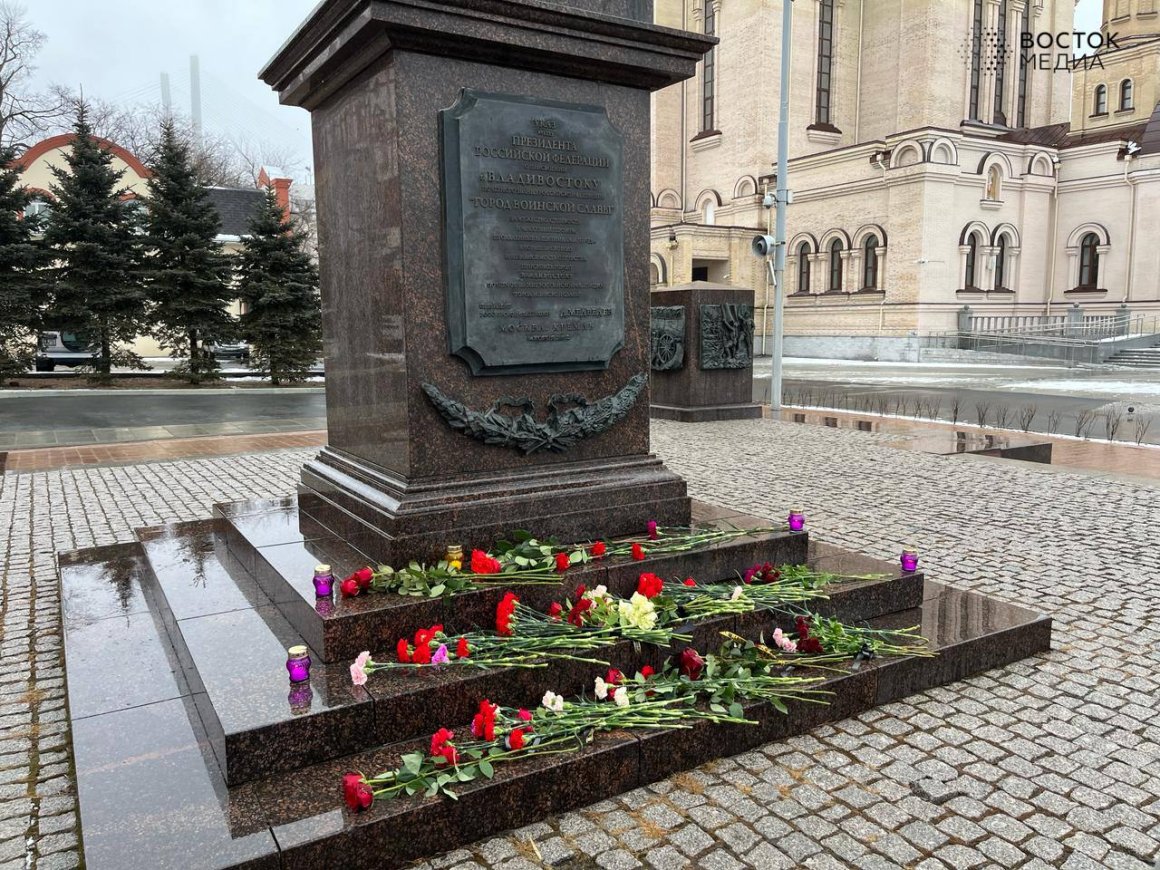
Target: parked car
59, 348
238, 350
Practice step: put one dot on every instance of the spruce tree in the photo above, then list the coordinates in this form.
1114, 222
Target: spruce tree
20, 280
93, 235
187, 274
278, 285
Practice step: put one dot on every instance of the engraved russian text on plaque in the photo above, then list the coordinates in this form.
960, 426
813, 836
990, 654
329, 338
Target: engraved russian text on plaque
534, 234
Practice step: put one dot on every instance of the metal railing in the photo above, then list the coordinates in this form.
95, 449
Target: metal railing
1091, 327
1070, 350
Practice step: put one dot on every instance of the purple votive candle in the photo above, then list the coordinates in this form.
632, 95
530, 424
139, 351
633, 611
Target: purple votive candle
301, 696
796, 520
298, 664
909, 560
323, 581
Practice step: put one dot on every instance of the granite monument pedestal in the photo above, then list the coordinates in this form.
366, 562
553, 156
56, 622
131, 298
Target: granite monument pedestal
482, 193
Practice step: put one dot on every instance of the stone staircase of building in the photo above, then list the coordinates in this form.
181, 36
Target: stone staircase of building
1140, 358
186, 725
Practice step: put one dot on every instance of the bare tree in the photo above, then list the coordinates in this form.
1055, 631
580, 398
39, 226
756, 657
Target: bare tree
1143, 423
1027, 416
1002, 415
23, 112
982, 409
955, 402
1053, 418
1084, 421
1112, 421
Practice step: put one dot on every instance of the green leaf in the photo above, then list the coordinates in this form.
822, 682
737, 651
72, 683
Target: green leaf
413, 762
779, 705
436, 591
486, 769
736, 710
465, 775
576, 557
718, 708
451, 794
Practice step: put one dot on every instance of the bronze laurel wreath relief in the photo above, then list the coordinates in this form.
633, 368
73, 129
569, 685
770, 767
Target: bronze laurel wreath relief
571, 418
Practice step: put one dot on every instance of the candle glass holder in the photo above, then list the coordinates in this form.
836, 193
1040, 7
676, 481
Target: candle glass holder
454, 556
796, 521
323, 581
298, 664
909, 560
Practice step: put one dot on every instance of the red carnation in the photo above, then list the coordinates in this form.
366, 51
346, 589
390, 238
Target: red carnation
516, 739
483, 725
637, 553
576, 614
691, 663
650, 585
562, 562
810, 645
503, 613
580, 590
652, 530
802, 627
614, 677
555, 609
598, 549
349, 587
422, 654
689, 581
525, 715
356, 792
403, 649
439, 738
363, 576
647, 671
482, 563
462, 650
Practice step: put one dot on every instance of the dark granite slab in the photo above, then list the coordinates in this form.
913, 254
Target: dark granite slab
257, 721
149, 800
101, 582
105, 622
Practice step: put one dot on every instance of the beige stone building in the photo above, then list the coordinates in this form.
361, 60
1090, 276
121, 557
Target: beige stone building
935, 162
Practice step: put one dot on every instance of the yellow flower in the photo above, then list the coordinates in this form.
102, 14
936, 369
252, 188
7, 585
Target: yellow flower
637, 612
456, 564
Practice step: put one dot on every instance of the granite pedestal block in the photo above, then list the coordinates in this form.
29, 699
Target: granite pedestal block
376, 76
702, 358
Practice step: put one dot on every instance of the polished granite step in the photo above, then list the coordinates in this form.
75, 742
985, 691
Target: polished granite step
280, 546
152, 794
231, 643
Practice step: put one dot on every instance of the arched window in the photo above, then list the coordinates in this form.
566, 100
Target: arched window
1089, 261
976, 59
803, 254
38, 208
836, 266
709, 214
999, 116
654, 275
1100, 104
994, 184
870, 263
972, 259
1126, 95
1001, 264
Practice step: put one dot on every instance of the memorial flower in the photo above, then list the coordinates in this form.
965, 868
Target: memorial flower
363, 576
515, 740
599, 549
552, 701
482, 563
555, 609
442, 748
689, 581
691, 663
403, 651
652, 530
600, 689
356, 792
349, 588
358, 674
440, 656
783, 642
637, 612
614, 677
504, 612
524, 715
462, 650
637, 552
650, 585
483, 724
620, 697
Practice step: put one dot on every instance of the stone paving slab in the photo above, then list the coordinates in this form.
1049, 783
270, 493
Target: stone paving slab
1051, 762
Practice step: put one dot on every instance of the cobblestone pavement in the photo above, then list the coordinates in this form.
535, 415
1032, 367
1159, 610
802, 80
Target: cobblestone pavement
1051, 762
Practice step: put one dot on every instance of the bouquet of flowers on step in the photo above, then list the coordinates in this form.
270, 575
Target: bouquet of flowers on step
523, 559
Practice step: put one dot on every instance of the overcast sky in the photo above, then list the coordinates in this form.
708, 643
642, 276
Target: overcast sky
117, 49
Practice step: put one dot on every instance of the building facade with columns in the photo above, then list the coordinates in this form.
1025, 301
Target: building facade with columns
935, 162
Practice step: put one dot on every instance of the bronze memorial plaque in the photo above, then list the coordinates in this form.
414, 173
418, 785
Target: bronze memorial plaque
534, 234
